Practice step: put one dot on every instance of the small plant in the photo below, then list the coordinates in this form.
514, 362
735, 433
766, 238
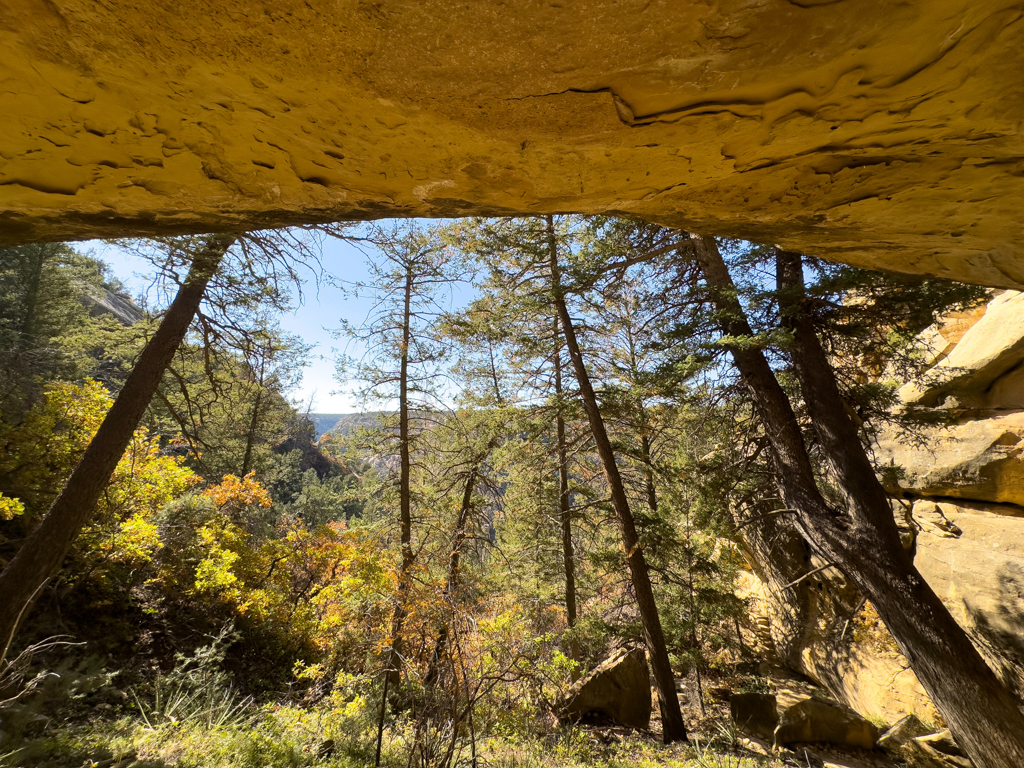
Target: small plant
197, 691
754, 684
720, 750
706, 756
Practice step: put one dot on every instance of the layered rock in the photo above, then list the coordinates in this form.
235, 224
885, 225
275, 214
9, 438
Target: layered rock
959, 498
819, 721
880, 134
976, 459
965, 484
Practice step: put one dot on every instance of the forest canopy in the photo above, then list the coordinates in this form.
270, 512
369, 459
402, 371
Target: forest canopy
573, 461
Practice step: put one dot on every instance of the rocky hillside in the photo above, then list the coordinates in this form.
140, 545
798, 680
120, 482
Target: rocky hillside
959, 497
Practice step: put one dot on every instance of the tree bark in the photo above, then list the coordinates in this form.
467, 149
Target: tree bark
673, 728
650, 489
250, 435
564, 502
982, 714
405, 486
29, 329
862, 540
45, 548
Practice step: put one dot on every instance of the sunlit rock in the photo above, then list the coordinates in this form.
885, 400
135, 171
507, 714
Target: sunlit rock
883, 135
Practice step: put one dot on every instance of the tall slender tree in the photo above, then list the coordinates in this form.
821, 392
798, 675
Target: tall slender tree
409, 271
516, 294
673, 728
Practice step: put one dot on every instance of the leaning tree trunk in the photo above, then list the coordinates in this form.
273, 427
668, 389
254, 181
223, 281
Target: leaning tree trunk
673, 728
45, 548
862, 540
982, 714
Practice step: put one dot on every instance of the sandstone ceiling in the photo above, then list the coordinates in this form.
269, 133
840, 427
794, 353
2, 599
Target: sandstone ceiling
874, 132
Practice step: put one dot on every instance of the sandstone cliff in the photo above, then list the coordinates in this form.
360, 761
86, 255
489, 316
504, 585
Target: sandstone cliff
959, 496
882, 134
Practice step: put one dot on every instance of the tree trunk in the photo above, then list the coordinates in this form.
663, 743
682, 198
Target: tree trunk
673, 728
650, 488
250, 436
33, 285
452, 581
564, 502
982, 714
405, 487
862, 541
694, 615
45, 548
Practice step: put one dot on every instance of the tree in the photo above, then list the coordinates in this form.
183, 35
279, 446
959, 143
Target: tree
43, 288
516, 318
42, 552
230, 404
861, 537
673, 728
401, 363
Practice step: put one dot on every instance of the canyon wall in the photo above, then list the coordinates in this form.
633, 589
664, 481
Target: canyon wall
958, 494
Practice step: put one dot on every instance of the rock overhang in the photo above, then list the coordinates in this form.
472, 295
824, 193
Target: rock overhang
883, 134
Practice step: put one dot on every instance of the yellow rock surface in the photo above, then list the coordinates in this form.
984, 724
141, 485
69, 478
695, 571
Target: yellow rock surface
884, 134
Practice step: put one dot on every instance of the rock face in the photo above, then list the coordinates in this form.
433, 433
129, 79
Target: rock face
978, 571
99, 301
755, 713
978, 362
961, 508
937, 750
881, 134
977, 459
910, 727
818, 721
617, 689
966, 485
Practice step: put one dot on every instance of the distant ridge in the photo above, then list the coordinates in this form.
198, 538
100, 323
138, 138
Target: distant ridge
323, 422
343, 423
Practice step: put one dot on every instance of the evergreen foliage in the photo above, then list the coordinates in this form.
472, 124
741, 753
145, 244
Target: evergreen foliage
251, 581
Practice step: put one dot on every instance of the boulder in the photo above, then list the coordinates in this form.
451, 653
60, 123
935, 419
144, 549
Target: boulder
937, 750
992, 347
818, 721
979, 459
756, 714
910, 727
972, 555
617, 689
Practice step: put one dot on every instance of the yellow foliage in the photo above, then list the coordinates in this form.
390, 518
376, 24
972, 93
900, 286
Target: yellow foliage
10, 508
214, 572
134, 541
235, 493
39, 454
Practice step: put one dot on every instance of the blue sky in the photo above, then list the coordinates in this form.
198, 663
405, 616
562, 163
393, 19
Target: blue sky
322, 309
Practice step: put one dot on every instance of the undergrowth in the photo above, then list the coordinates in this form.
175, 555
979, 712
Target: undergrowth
193, 717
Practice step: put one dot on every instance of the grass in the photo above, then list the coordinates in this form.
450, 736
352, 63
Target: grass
192, 717
289, 737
